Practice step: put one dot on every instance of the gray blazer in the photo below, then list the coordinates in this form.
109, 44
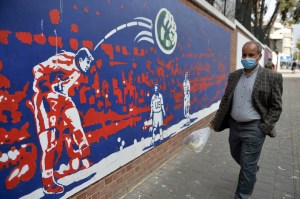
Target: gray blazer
266, 96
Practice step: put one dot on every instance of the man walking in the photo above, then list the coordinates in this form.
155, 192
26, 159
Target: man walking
269, 64
250, 107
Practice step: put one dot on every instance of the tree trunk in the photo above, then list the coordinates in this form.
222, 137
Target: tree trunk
259, 10
267, 29
243, 12
211, 2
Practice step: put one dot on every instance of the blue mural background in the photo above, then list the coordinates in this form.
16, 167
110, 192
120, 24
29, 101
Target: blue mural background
203, 49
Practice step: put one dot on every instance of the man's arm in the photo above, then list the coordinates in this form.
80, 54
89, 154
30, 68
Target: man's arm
275, 106
37, 74
151, 106
222, 107
71, 80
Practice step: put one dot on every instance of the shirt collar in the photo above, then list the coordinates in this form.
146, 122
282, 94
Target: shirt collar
252, 72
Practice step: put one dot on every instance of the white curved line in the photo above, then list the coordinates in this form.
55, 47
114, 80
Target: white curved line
129, 24
121, 27
134, 23
61, 10
110, 33
55, 41
98, 44
145, 19
147, 33
146, 39
145, 25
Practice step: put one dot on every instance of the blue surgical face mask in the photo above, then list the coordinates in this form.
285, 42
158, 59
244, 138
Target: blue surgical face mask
249, 63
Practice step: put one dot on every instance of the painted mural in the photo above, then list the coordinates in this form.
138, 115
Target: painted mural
87, 86
268, 55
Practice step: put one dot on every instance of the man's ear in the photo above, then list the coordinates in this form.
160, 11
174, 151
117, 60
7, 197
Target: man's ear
80, 60
259, 57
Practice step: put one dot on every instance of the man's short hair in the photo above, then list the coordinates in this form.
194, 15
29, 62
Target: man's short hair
258, 45
156, 85
83, 53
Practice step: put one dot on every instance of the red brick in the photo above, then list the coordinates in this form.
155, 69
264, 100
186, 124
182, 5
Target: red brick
82, 195
129, 167
108, 195
108, 180
100, 184
96, 195
119, 180
92, 189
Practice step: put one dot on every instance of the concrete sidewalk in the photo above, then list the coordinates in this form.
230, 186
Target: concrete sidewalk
213, 174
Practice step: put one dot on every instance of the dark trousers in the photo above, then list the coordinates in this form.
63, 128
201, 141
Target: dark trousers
246, 143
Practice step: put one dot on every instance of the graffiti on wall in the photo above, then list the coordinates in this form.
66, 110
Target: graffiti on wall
87, 86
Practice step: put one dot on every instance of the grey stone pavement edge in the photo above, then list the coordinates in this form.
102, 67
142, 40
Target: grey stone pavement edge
212, 173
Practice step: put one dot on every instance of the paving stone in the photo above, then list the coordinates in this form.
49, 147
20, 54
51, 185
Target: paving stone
136, 195
264, 187
268, 166
284, 179
266, 172
224, 184
259, 194
278, 194
218, 193
213, 175
265, 179
284, 187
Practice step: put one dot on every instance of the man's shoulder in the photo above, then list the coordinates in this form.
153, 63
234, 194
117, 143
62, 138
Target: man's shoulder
66, 58
271, 73
236, 72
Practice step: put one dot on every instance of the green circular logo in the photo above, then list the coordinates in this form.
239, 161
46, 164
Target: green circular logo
165, 31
